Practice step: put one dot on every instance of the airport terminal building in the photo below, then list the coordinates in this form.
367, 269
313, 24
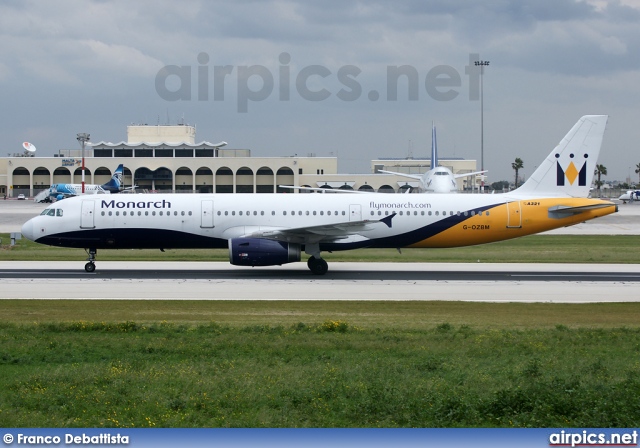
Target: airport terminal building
167, 159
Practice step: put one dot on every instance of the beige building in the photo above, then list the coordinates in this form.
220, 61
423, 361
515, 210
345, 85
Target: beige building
167, 159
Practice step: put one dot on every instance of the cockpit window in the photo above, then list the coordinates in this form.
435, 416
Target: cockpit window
51, 212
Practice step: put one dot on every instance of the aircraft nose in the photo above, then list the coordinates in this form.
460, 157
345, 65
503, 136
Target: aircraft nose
27, 230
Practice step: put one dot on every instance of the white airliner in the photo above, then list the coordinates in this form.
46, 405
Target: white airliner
61, 191
630, 195
273, 229
439, 179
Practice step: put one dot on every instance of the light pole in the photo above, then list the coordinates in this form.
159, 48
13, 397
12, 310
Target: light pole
482, 64
83, 138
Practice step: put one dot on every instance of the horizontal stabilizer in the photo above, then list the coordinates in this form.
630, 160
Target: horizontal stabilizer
562, 211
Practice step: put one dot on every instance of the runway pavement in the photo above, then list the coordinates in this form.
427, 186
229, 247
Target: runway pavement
555, 283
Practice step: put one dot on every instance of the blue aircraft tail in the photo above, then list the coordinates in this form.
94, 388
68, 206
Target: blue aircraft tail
434, 147
115, 184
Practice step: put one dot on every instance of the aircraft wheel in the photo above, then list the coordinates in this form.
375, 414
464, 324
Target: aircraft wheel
317, 266
90, 267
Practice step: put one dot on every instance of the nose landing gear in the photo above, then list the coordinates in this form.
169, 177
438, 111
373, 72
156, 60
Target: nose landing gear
91, 265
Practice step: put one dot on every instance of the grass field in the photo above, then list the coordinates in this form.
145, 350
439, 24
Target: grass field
318, 364
72, 363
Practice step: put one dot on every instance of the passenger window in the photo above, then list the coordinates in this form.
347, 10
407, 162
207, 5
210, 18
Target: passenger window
152, 213
240, 213
190, 213
486, 213
110, 213
102, 213
226, 213
437, 213
160, 213
321, 213
146, 213
139, 213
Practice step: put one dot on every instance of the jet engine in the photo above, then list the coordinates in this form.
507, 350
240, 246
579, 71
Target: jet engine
262, 252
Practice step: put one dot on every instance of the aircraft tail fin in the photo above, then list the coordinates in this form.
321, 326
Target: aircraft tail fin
115, 184
434, 147
434, 157
569, 169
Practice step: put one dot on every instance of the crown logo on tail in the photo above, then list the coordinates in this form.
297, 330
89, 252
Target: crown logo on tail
570, 174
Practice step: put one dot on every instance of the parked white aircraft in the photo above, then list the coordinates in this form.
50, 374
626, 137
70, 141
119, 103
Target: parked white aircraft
273, 229
630, 195
61, 191
439, 179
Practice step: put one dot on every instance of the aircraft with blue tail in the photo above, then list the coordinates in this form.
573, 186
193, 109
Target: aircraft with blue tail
62, 191
439, 179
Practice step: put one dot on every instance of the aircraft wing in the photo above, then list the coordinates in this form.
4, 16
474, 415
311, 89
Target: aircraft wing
323, 190
325, 232
457, 176
411, 176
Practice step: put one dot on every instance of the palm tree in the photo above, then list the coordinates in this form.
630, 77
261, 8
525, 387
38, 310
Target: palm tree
637, 172
600, 170
517, 166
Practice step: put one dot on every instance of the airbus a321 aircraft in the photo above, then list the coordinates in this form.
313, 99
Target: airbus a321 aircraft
273, 229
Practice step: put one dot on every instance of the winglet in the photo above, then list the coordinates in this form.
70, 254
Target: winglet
387, 219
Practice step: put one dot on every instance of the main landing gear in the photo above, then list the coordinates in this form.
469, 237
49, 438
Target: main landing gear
317, 266
91, 265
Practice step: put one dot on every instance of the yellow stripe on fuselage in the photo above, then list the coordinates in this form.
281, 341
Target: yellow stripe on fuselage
515, 219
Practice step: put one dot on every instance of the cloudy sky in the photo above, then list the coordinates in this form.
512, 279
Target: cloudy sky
356, 80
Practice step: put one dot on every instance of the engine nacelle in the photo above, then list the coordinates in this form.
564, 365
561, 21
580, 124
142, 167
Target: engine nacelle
262, 252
